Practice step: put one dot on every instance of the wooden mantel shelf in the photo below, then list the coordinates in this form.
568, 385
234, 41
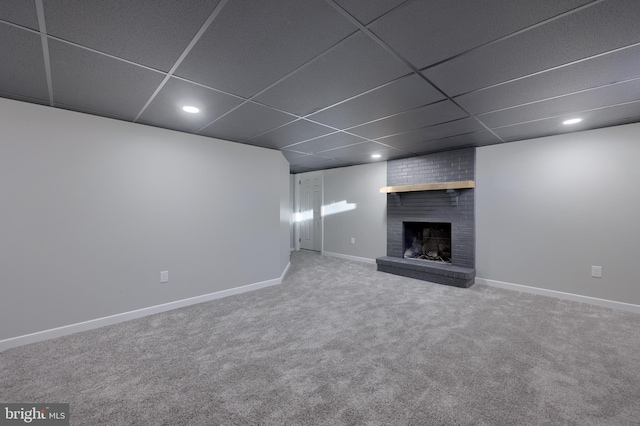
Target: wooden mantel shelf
463, 184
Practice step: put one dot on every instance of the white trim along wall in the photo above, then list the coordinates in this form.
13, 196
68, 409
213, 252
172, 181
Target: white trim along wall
126, 316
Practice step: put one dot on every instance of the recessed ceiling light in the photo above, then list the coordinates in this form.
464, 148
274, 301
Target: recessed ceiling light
191, 109
376, 155
572, 121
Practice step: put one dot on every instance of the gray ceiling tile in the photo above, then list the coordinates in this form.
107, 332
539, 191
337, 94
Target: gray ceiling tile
367, 11
19, 12
358, 64
22, 67
247, 121
355, 150
604, 96
336, 163
291, 133
416, 118
400, 95
124, 28
591, 31
484, 137
299, 169
91, 82
365, 159
393, 154
308, 57
481, 138
606, 69
166, 108
385, 154
252, 44
458, 127
325, 165
312, 161
290, 155
324, 143
455, 26
23, 98
312, 166
302, 159
603, 117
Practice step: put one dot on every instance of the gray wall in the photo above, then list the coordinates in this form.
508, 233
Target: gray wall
285, 213
93, 209
548, 209
367, 223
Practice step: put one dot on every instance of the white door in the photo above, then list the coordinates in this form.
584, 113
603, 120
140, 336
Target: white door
310, 210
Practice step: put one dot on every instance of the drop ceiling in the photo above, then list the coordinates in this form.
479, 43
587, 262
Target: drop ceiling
330, 82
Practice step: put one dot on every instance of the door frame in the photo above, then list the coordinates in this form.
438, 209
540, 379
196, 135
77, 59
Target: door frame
296, 209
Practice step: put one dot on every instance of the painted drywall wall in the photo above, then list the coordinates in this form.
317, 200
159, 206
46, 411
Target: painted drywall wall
547, 209
285, 212
93, 209
357, 189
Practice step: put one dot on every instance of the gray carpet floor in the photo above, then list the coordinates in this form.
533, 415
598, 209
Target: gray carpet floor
340, 343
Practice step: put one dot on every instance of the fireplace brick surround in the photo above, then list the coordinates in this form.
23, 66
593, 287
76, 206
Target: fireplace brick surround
456, 208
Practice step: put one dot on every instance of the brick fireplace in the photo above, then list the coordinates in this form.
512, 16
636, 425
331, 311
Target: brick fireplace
450, 208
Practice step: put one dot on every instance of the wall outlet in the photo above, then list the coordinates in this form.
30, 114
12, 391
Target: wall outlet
596, 271
353, 240
164, 276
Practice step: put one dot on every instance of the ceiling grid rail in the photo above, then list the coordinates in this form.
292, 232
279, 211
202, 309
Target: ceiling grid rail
184, 54
45, 48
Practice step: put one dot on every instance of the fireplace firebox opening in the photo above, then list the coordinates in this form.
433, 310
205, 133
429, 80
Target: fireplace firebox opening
429, 241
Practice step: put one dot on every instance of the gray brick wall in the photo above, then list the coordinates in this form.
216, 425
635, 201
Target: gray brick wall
433, 206
444, 166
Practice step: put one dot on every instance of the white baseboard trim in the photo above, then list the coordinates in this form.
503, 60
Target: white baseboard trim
284, 273
561, 295
348, 257
138, 313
